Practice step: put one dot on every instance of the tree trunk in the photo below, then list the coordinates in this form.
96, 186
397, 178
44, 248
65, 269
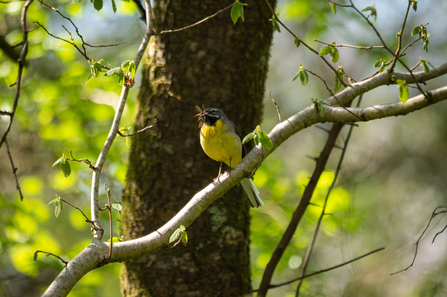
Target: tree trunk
215, 64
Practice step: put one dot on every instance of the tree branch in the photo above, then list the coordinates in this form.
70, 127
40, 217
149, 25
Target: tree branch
115, 126
21, 61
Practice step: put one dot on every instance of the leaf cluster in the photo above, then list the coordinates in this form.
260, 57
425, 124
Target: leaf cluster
258, 137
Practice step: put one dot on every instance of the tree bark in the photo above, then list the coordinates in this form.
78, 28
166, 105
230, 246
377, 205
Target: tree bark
215, 64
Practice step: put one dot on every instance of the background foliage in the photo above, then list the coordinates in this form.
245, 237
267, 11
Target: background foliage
392, 179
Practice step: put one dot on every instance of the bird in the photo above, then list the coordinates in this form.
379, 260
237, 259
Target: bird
220, 140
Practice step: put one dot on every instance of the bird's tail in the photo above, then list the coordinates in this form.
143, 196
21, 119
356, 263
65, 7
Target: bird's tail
252, 192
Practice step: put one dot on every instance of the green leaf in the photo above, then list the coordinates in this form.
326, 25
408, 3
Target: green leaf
416, 30
325, 50
334, 54
132, 68
426, 43
57, 205
337, 84
265, 140
65, 167
334, 8
121, 78
304, 77
184, 237
114, 6
275, 24
302, 74
237, 11
382, 68
425, 66
175, 236
414, 4
331, 50
297, 41
117, 205
373, 12
321, 107
400, 82
97, 4
112, 71
248, 138
35, 256
59, 160
403, 93
256, 139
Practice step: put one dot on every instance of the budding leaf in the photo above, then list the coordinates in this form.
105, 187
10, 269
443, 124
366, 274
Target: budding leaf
302, 74
337, 84
112, 71
184, 237
58, 161
175, 236
403, 90
57, 205
97, 4
237, 11
334, 8
416, 30
117, 205
373, 12
425, 66
248, 138
414, 4
275, 24
322, 109
65, 167
297, 41
265, 140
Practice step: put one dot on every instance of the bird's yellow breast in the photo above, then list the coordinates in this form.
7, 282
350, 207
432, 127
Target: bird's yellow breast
221, 143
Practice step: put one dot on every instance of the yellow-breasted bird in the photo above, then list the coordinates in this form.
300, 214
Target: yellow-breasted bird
221, 141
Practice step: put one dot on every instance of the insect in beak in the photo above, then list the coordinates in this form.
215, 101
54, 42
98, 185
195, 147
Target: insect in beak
201, 115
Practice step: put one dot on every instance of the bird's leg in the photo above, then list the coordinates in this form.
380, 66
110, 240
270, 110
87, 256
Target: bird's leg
220, 173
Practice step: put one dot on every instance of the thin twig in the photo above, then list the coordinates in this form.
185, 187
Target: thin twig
314, 238
14, 170
325, 270
351, 46
86, 218
76, 28
332, 93
109, 207
86, 161
22, 63
436, 235
341, 5
139, 131
274, 102
5, 113
49, 254
433, 215
399, 38
195, 24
